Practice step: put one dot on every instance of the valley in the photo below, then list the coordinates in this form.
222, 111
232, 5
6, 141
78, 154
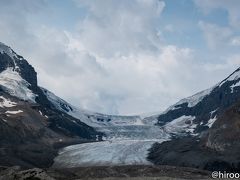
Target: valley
39, 129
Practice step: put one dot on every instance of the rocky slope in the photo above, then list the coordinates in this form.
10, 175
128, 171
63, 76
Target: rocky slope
31, 127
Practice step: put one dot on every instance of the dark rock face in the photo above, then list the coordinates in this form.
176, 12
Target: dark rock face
27, 72
224, 136
217, 149
187, 152
30, 139
6, 61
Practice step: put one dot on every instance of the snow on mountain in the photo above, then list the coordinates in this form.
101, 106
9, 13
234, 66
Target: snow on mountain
191, 101
211, 121
92, 118
15, 85
234, 85
14, 112
114, 127
6, 102
83, 115
195, 99
235, 76
181, 125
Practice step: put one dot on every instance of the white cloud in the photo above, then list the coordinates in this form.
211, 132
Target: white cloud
235, 41
115, 61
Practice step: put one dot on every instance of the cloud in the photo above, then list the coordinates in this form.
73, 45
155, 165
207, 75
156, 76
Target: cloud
120, 28
116, 60
235, 41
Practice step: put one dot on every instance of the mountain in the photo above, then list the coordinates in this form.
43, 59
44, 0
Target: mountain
204, 127
201, 131
31, 127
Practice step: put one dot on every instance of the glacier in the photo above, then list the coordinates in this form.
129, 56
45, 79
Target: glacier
123, 145
105, 153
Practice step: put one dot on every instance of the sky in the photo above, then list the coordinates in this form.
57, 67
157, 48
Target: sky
124, 57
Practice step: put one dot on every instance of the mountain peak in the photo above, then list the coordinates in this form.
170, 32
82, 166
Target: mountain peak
7, 50
232, 77
17, 77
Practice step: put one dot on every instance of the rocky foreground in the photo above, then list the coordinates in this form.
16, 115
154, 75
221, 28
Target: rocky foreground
104, 172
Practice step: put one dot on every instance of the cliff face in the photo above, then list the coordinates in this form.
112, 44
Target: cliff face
224, 136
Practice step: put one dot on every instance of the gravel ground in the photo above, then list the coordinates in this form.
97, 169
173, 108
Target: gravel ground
105, 173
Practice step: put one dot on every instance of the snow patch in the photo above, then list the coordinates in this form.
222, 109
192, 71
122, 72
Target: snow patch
213, 112
14, 112
6, 102
15, 85
234, 85
211, 121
